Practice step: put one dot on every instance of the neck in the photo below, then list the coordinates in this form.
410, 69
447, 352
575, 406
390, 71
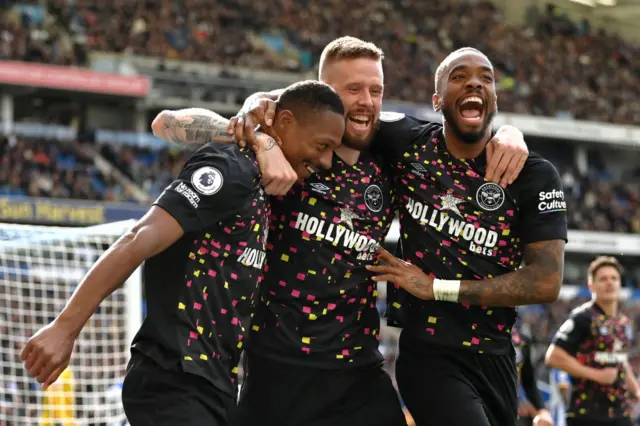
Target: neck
610, 308
460, 149
348, 155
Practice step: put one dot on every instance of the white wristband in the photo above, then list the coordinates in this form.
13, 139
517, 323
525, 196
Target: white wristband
446, 290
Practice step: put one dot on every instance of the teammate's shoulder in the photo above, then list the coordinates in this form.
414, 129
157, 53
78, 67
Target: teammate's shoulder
398, 120
583, 310
229, 150
537, 171
228, 156
538, 164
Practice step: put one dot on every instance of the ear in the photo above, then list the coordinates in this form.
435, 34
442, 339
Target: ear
284, 119
436, 101
283, 124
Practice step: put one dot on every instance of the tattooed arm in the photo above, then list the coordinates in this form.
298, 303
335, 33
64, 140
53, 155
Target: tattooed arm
537, 282
192, 126
197, 126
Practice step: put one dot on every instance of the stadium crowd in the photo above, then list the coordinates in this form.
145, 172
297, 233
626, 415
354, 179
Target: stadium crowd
598, 200
566, 70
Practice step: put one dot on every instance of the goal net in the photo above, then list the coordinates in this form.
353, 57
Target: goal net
40, 268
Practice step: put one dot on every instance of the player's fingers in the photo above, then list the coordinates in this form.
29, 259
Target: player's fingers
516, 171
45, 372
510, 171
231, 128
493, 164
26, 351
271, 188
387, 277
489, 153
283, 185
239, 129
37, 364
382, 269
501, 168
53, 377
30, 361
249, 133
386, 257
270, 114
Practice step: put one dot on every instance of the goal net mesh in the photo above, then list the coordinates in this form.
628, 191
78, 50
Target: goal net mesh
40, 268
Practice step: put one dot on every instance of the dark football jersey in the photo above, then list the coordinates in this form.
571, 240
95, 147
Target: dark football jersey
597, 341
200, 290
318, 302
456, 225
520, 344
524, 364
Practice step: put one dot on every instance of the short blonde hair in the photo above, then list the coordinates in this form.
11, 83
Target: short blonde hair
600, 262
349, 48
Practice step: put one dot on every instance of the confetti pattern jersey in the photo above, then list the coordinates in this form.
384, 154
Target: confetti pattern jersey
597, 341
200, 290
526, 371
318, 303
519, 345
456, 225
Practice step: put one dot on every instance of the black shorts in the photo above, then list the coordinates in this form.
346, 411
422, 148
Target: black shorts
451, 387
278, 394
154, 396
613, 422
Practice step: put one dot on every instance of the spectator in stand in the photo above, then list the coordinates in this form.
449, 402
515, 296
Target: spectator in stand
567, 69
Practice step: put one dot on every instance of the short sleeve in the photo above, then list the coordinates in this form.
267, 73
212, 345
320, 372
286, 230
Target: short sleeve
572, 333
215, 183
395, 134
541, 202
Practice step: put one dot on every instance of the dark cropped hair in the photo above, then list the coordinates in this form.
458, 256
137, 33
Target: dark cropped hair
310, 96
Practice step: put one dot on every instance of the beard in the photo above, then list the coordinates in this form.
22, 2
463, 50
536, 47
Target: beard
359, 143
468, 137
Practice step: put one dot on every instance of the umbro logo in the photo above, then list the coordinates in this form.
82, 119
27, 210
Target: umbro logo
419, 169
319, 187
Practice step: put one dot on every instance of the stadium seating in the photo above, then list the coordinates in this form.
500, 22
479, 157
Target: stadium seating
553, 67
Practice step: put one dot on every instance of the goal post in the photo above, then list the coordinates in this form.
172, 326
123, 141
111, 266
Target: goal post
40, 267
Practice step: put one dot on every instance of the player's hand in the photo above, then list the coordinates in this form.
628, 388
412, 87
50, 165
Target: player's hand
543, 418
506, 155
277, 174
261, 112
46, 355
526, 409
606, 376
404, 274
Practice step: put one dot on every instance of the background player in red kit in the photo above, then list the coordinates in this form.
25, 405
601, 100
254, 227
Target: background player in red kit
203, 241
466, 239
592, 347
314, 342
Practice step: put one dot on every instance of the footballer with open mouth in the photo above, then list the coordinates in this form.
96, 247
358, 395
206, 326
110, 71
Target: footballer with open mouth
468, 101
